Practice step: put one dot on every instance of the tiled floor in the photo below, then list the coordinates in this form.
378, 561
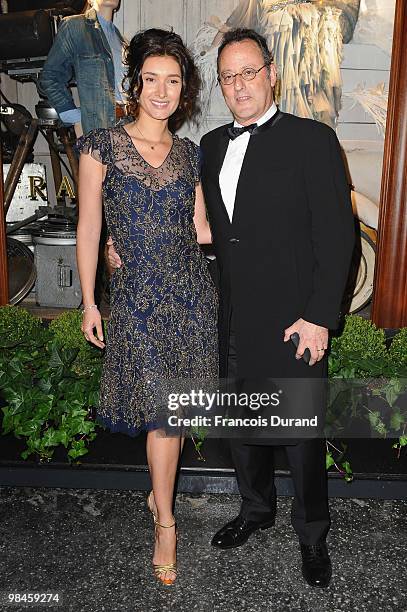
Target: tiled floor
94, 548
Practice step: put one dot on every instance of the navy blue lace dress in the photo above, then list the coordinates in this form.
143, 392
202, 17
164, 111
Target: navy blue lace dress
163, 323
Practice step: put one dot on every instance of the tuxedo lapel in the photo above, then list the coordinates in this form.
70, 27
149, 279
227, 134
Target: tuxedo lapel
242, 177
222, 148
255, 148
221, 152
248, 173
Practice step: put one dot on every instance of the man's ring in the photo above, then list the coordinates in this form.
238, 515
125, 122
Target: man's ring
321, 349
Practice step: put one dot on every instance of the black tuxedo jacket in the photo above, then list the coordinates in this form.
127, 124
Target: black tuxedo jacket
287, 251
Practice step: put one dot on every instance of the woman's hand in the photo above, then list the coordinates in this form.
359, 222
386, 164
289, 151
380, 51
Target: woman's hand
92, 319
111, 255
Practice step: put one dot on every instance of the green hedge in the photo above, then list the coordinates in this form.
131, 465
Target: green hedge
49, 379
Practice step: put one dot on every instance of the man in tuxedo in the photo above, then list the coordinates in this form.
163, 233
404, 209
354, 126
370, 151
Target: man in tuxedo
280, 212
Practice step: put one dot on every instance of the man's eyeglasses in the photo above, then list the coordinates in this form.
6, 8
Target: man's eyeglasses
247, 74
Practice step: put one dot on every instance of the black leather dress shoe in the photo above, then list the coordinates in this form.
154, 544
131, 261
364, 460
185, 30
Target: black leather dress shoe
316, 564
237, 532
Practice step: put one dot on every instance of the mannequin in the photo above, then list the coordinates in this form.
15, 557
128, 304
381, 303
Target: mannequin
89, 47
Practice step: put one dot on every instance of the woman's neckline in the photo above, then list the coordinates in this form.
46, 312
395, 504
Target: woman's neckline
174, 137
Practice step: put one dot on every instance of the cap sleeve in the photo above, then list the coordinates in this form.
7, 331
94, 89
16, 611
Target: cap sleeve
97, 143
195, 159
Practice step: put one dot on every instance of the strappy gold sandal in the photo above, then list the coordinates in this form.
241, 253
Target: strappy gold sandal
161, 569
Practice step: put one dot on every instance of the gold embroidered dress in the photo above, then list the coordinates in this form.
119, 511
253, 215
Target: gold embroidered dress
163, 322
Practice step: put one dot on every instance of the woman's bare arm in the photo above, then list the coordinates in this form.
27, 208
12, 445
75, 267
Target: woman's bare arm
91, 173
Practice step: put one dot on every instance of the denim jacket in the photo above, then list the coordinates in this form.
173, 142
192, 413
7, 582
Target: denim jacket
81, 50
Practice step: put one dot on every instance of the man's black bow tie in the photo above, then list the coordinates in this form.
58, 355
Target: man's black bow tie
234, 132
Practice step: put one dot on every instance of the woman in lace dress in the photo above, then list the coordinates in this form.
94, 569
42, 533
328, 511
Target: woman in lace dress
163, 302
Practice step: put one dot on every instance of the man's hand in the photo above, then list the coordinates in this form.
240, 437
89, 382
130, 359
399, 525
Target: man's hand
113, 259
311, 336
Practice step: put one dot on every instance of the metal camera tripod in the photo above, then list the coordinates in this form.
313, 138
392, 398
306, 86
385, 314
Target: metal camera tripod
49, 127
27, 34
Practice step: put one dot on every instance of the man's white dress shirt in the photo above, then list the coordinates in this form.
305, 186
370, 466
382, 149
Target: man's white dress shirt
232, 164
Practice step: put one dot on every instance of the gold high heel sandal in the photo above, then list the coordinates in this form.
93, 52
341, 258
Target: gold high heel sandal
161, 569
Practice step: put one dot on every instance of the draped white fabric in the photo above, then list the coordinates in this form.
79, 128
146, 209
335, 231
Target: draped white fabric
306, 41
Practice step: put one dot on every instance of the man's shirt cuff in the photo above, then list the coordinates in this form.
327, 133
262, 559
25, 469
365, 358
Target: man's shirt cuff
71, 116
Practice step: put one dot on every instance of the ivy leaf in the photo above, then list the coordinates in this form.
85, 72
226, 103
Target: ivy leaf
64, 437
397, 420
78, 449
33, 426
51, 437
346, 467
62, 357
376, 422
374, 418
329, 460
392, 390
45, 384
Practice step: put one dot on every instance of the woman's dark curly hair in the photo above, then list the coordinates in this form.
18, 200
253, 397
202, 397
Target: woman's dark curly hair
156, 42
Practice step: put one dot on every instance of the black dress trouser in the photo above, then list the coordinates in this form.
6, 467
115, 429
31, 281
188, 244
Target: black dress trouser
254, 465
